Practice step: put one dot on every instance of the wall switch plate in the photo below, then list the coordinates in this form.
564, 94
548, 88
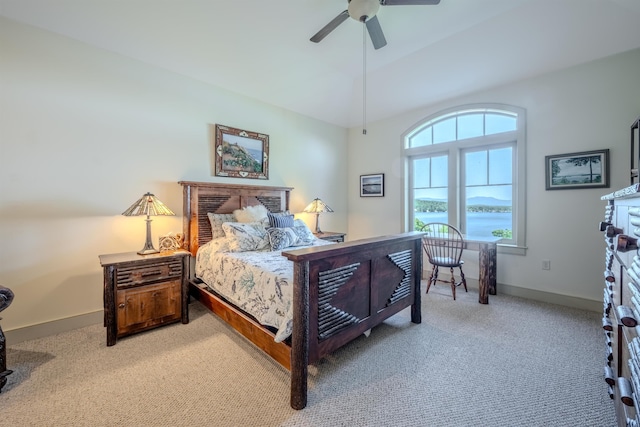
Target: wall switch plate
546, 264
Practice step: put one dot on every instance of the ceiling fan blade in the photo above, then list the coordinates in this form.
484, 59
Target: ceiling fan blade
375, 32
408, 2
330, 27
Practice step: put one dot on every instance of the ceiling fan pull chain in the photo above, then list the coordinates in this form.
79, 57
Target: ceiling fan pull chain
364, 78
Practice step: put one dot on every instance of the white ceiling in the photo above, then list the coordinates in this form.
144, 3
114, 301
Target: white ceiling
261, 48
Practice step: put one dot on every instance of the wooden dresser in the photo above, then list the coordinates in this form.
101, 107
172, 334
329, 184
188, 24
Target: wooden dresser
621, 317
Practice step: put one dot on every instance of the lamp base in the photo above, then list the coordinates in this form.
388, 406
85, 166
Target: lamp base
148, 246
318, 231
148, 251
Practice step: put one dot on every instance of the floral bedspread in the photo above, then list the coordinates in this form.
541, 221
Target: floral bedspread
258, 282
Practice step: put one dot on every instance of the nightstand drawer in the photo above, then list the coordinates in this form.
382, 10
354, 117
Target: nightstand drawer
136, 275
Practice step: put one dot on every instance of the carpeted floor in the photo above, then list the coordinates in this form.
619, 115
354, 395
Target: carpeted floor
511, 363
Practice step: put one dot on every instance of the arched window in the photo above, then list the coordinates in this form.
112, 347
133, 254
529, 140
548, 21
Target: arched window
466, 167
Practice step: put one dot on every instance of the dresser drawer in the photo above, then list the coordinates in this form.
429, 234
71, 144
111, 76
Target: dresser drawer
137, 275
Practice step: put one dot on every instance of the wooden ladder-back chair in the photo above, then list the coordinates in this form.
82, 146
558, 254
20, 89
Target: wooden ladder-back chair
443, 244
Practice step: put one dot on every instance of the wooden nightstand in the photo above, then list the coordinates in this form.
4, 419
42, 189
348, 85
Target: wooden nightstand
144, 291
331, 236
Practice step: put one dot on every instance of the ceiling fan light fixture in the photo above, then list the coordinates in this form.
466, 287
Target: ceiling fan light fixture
363, 10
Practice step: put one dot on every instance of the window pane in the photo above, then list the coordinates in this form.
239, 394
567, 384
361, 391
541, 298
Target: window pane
470, 126
500, 166
440, 171
421, 138
444, 131
486, 152
476, 167
421, 172
430, 206
489, 211
496, 123
430, 190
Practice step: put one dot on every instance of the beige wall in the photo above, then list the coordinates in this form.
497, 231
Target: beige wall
587, 107
85, 132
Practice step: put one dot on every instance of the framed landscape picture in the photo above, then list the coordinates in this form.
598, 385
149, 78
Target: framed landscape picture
372, 185
240, 153
586, 169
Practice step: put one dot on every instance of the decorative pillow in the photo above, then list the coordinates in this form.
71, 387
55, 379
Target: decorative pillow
247, 236
300, 223
219, 245
257, 213
280, 220
216, 221
281, 238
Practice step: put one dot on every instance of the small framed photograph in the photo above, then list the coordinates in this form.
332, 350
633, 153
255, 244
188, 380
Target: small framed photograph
586, 169
372, 185
240, 153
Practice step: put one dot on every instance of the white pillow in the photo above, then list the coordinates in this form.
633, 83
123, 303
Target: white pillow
257, 213
243, 237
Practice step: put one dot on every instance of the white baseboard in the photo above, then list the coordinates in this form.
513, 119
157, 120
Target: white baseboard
41, 330
532, 294
46, 329
549, 297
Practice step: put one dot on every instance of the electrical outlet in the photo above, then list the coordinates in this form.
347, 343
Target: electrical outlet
546, 264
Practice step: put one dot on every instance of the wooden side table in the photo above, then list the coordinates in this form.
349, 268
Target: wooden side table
144, 291
331, 236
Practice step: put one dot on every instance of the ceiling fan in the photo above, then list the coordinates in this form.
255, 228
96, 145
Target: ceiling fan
365, 11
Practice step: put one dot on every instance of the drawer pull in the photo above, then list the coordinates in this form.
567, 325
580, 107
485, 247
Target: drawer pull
606, 324
626, 394
608, 376
609, 277
121, 305
627, 243
612, 231
148, 274
625, 314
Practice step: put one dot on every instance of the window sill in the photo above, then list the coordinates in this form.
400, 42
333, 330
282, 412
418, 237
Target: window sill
512, 249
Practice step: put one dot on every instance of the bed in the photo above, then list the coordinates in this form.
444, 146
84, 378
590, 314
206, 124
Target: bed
339, 291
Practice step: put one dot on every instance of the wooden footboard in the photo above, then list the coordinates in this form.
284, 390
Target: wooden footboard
343, 290
340, 291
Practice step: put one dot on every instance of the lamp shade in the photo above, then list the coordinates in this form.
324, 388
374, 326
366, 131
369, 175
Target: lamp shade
148, 205
317, 206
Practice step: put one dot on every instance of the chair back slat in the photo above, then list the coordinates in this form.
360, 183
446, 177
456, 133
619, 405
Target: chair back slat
443, 244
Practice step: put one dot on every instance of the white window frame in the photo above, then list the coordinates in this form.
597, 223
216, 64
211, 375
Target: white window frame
454, 150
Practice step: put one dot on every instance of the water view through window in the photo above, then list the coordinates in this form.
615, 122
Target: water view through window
484, 178
479, 224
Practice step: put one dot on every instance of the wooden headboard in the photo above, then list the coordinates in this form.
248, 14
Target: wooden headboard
200, 198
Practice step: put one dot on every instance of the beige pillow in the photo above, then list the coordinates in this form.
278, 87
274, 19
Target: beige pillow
216, 221
256, 213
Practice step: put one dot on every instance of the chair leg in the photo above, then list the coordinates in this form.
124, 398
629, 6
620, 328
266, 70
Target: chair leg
433, 277
464, 281
453, 284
